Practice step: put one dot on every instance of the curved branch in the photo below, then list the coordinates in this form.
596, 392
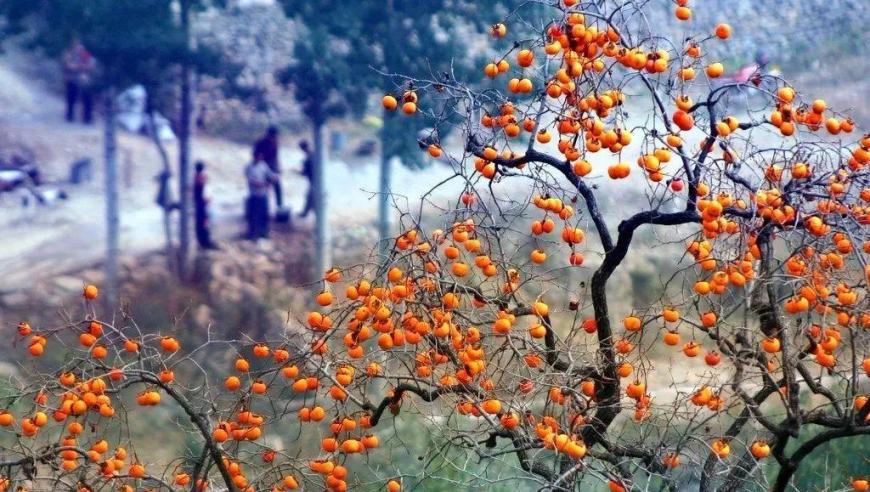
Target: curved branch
788, 468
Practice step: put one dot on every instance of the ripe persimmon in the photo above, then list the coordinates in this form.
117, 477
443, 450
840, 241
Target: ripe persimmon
233, 383
721, 448
715, 70
760, 450
389, 102
683, 13
90, 292
169, 344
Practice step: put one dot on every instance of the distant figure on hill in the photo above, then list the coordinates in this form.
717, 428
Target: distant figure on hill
267, 146
308, 172
751, 72
78, 71
260, 179
200, 208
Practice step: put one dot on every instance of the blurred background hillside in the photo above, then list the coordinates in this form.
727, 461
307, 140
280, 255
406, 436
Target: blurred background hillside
816, 44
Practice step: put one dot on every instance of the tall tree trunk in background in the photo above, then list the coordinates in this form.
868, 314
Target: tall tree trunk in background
184, 177
112, 221
386, 175
322, 249
163, 186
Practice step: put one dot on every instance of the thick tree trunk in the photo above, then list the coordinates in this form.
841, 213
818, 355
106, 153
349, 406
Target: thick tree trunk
323, 252
184, 177
112, 222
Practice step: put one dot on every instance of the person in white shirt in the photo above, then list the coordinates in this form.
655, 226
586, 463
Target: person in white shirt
260, 180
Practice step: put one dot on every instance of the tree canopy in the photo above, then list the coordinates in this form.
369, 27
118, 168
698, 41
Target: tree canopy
371, 44
133, 41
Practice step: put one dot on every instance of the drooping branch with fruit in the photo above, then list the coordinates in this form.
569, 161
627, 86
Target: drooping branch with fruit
497, 324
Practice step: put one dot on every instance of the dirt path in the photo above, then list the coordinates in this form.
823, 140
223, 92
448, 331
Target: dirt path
41, 241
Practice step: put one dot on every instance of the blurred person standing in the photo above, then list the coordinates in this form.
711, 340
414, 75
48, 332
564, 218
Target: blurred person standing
200, 208
750, 72
267, 146
78, 72
308, 172
260, 179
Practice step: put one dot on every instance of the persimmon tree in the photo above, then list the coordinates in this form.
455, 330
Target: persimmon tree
479, 328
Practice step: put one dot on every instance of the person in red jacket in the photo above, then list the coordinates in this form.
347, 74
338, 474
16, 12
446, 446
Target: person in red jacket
78, 71
749, 72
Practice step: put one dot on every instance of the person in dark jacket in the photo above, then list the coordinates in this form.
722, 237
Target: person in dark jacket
267, 147
308, 172
200, 208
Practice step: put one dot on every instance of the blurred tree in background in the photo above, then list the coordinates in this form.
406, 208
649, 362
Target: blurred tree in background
367, 50
255, 43
134, 42
322, 90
